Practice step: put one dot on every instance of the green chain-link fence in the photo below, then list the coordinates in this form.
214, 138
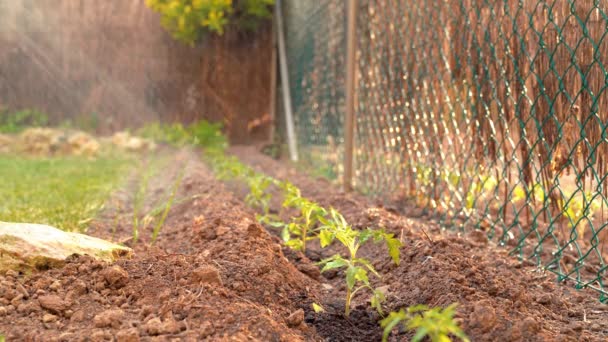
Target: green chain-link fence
491, 114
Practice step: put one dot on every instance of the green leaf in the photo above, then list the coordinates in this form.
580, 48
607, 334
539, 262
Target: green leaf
420, 334
365, 235
326, 238
317, 308
393, 246
354, 274
367, 264
350, 277
295, 244
332, 263
376, 301
417, 308
390, 322
518, 194
285, 235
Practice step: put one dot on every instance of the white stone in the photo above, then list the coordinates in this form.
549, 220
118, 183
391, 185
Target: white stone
27, 247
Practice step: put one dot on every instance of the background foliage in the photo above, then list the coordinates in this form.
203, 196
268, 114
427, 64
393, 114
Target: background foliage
188, 20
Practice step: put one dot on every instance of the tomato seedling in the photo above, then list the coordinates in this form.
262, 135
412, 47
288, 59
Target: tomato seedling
356, 269
436, 323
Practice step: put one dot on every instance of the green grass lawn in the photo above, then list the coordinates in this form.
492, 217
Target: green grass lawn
65, 192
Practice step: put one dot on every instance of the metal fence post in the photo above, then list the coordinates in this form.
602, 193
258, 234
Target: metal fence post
273, 85
349, 120
291, 135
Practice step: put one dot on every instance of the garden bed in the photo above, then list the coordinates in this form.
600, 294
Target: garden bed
500, 299
214, 273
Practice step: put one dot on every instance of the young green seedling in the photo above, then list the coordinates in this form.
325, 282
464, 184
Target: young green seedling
304, 226
357, 268
258, 196
436, 323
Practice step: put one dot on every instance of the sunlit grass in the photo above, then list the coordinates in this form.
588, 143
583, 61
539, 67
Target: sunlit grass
65, 192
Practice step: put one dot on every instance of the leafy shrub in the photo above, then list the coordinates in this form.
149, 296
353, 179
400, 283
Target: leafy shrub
201, 133
436, 323
187, 20
17, 121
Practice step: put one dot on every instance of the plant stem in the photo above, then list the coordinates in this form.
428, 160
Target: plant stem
348, 299
303, 237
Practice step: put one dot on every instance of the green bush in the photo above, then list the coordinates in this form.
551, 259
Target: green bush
201, 133
188, 20
17, 121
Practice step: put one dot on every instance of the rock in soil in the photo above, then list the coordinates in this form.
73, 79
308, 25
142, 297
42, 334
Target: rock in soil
109, 318
296, 318
29, 247
128, 335
116, 277
206, 275
53, 303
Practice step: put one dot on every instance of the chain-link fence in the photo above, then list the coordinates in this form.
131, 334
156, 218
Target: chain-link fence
490, 114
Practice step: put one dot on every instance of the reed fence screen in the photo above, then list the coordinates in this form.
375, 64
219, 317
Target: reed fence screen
489, 114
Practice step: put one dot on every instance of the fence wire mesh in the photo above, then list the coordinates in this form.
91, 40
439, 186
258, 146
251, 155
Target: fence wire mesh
490, 114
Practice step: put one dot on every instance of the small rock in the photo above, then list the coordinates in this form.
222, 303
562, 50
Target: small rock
576, 326
53, 303
17, 300
48, 318
221, 230
156, 327
295, 319
26, 308
55, 286
483, 316
79, 287
78, 316
127, 335
3, 311
100, 335
146, 310
206, 275
544, 299
255, 230
109, 318
153, 326
310, 270
529, 326
116, 276
170, 326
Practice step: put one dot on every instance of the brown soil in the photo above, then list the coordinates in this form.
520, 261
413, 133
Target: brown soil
500, 299
215, 274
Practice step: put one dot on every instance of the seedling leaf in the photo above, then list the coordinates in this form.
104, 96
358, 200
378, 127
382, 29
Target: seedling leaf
294, 244
333, 262
376, 301
391, 321
393, 246
317, 308
326, 238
